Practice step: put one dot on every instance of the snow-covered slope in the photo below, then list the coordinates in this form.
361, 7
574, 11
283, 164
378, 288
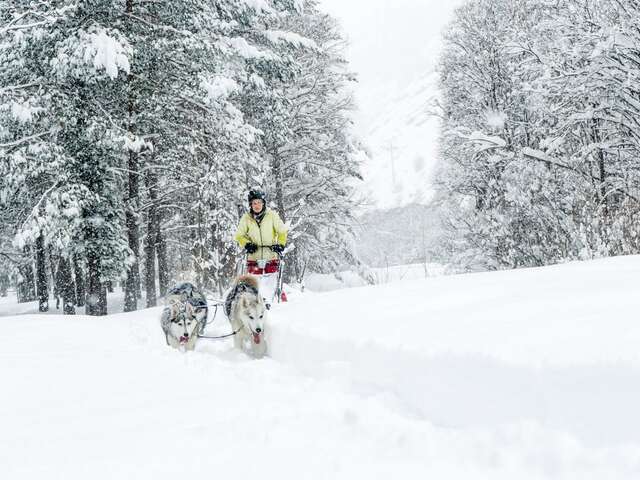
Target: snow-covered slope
402, 137
394, 46
530, 374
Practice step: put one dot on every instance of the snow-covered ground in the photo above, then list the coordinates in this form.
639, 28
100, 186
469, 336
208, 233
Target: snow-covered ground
530, 374
9, 305
317, 282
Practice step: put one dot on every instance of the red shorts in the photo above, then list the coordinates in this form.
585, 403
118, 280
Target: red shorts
271, 267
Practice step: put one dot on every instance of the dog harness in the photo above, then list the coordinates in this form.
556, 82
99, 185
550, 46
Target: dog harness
240, 287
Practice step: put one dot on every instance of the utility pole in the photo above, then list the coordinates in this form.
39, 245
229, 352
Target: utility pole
392, 159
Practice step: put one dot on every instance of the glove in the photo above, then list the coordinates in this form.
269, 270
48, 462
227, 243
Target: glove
250, 247
277, 248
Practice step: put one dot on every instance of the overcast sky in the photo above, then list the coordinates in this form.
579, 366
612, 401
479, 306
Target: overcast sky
392, 42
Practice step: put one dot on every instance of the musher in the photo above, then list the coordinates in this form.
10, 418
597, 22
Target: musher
263, 235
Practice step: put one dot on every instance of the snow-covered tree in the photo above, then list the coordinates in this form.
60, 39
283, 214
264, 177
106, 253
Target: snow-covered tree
537, 157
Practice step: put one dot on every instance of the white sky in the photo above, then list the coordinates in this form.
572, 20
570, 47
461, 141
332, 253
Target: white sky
394, 47
392, 42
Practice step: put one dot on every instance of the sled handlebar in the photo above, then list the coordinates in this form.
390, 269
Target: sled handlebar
243, 253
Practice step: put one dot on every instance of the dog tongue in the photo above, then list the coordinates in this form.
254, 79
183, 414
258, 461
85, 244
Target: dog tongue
183, 339
256, 338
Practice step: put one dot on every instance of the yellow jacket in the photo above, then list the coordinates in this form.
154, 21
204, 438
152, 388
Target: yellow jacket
271, 231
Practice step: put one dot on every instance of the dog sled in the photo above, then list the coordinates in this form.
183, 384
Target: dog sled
258, 268
189, 310
264, 269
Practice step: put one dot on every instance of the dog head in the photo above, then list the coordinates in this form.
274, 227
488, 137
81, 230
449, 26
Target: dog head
252, 313
184, 322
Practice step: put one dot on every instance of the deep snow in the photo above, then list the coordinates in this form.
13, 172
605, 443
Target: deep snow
528, 374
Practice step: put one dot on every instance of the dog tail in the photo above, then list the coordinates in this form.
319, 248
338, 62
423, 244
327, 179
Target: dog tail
248, 280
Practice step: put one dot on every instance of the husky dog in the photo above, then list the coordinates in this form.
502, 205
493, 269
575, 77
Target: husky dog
184, 317
246, 311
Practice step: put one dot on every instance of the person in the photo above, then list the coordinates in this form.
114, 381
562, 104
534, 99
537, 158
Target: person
263, 236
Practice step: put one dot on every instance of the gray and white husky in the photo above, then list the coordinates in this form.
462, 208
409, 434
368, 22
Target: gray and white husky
185, 316
180, 325
246, 311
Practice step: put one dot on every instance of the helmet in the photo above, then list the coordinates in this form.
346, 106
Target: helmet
257, 194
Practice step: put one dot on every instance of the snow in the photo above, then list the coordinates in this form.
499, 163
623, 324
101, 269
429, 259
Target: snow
487, 141
23, 112
245, 49
136, 144
317, 282
495, 119
257, 81
108, 53
279, 36
219, 87
537, 154
528, 374
258, 5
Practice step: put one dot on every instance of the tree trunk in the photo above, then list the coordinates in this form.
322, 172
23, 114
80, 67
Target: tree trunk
26, 287
199, 253
41, 276
79, 283
4, 284
602, 174
278, 173
53, 267
132, 285
163, 267
150, 271
66, 287
291, 272
102, 299
94, 287
150, 241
